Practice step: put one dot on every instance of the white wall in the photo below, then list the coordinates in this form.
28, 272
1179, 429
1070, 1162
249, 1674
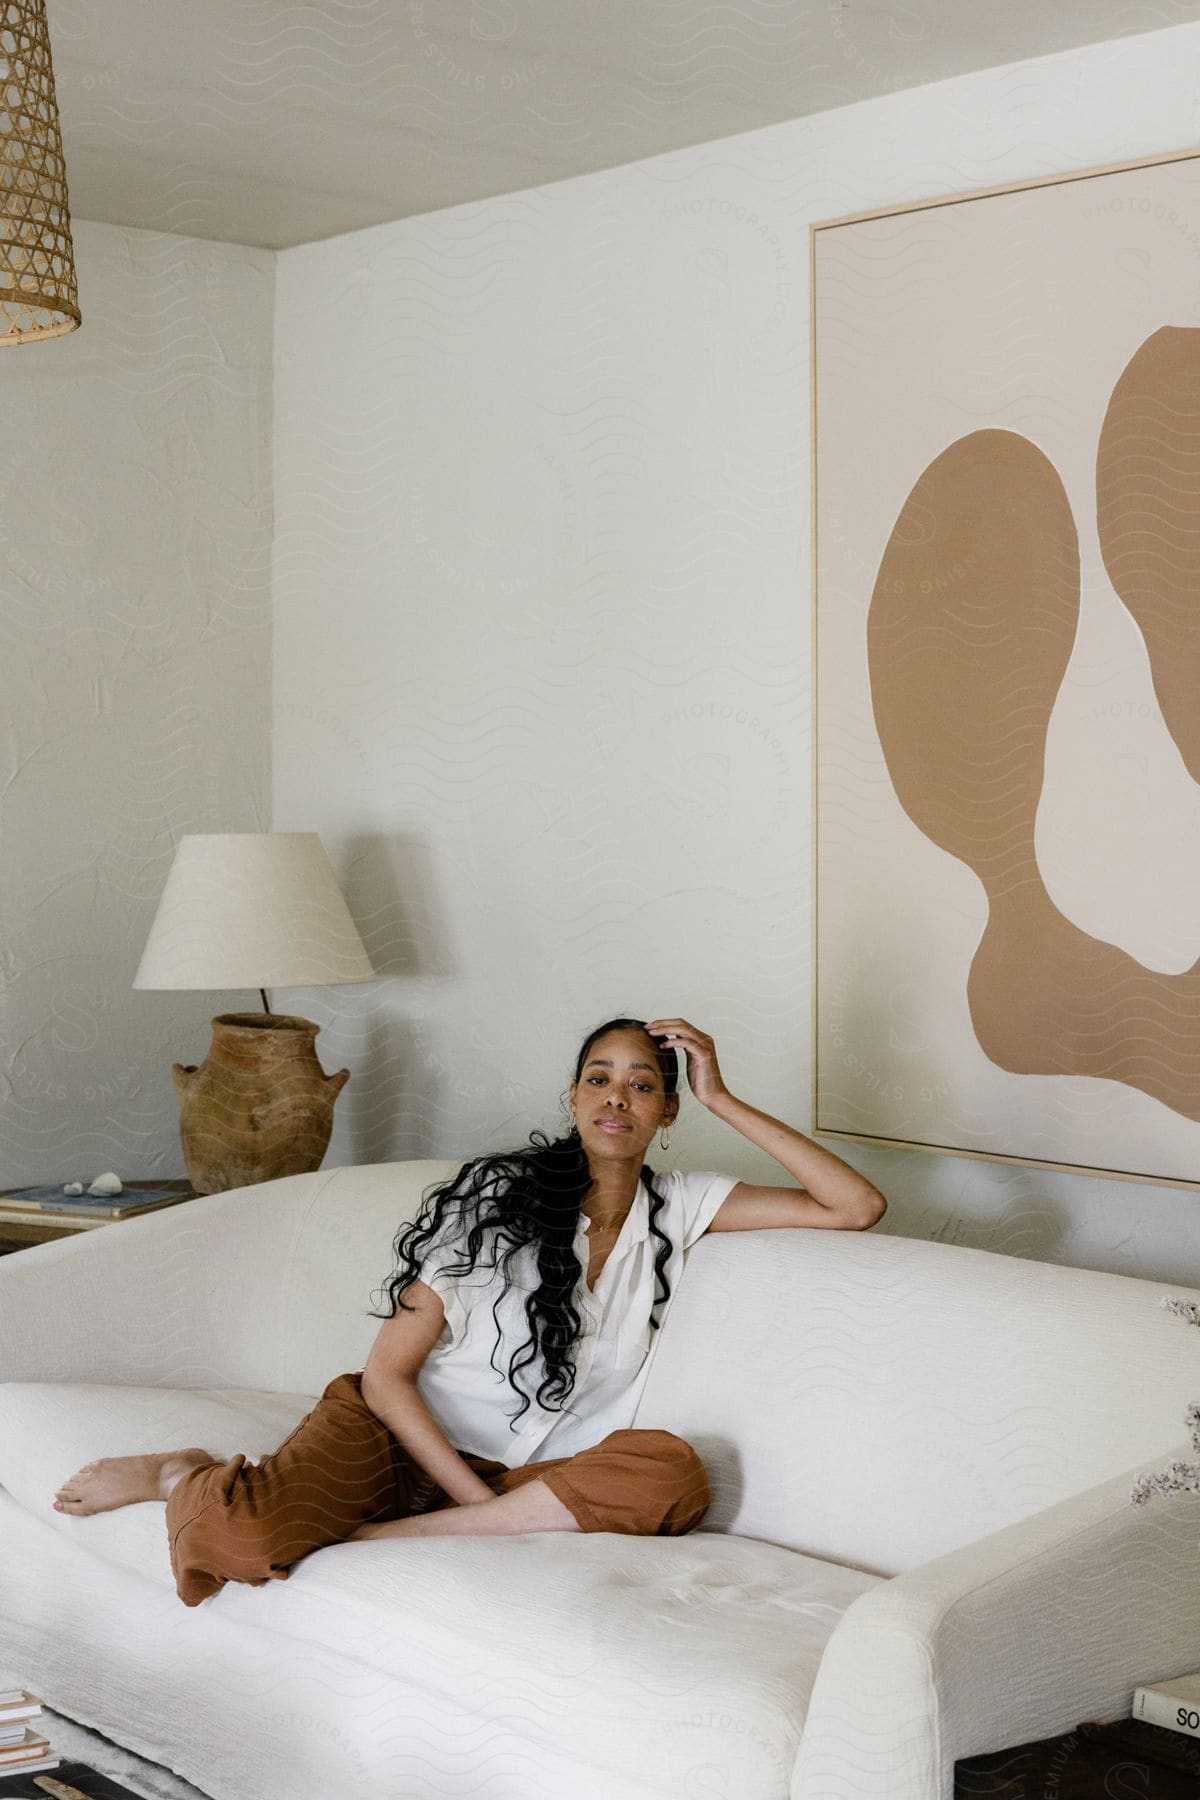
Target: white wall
542, 623
134, 673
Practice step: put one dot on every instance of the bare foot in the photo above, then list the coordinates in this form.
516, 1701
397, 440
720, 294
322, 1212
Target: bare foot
122, 1480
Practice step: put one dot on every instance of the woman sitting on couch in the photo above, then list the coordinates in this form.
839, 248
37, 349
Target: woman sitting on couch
541, 1273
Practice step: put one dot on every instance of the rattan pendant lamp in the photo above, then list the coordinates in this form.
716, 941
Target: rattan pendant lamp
38, 297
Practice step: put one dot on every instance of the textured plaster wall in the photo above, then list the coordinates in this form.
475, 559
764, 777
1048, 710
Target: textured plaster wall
135, 515
542, 624
541, 638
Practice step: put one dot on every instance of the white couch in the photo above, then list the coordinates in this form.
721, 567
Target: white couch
921, 1543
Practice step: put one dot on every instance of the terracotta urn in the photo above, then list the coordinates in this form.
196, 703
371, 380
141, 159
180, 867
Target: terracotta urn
259, 1107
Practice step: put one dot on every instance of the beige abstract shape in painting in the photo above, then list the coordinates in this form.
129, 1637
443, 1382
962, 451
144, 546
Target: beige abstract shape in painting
1148, 518
968, 638
971, 627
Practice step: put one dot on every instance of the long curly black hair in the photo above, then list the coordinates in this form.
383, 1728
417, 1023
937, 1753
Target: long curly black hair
533, 1195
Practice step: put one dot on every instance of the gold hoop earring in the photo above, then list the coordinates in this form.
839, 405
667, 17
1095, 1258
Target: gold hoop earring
664, 1139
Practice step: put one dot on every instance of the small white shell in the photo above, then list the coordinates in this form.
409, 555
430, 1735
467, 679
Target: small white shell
73, 1187
106, 1184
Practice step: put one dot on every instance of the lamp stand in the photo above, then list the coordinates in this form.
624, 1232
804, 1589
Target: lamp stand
260, 1106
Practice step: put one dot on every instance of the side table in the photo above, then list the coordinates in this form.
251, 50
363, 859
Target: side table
1093, 1762
19, 1229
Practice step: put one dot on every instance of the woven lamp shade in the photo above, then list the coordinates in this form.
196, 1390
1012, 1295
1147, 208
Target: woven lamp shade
38, 297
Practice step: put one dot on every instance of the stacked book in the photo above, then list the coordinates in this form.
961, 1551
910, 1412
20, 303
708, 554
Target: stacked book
1174, 1704
22, 1748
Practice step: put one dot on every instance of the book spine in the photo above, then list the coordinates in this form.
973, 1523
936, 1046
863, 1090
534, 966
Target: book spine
52, 1209
68, 1203
1166, 1710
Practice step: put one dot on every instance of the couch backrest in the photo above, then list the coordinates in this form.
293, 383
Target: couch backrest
290, 1269
881, 1400
873, 1399
261, 1287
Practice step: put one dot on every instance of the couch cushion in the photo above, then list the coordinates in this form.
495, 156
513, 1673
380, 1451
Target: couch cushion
244, 1711
49, 1429
672, 1665
650, 1659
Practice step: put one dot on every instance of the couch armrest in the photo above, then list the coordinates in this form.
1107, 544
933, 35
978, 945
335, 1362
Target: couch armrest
1019, 1636
182, 1297
114, 1304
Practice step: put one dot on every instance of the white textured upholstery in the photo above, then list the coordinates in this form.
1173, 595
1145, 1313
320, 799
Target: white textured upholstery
1014, 1638
633, 1671
263, 1287
621, 1647
606, 1626
882, 1400
964, 1423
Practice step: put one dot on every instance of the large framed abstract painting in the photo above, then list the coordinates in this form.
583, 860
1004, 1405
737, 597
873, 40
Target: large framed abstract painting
1007, 568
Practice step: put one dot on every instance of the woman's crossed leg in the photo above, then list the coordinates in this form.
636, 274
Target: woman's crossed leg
341, 1476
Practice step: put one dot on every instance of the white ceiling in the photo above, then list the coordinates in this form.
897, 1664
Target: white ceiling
262, 122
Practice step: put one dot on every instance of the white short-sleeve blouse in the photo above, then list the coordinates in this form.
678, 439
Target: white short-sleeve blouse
473, 1401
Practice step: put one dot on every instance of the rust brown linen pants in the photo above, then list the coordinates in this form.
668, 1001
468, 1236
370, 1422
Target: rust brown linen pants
342, 1468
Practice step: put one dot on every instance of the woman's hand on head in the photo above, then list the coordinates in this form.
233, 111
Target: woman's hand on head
703, 1071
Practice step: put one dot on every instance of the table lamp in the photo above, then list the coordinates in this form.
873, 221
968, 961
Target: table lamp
253, 910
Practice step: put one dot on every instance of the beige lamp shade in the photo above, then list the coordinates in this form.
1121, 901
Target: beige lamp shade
252, 910
38, 296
